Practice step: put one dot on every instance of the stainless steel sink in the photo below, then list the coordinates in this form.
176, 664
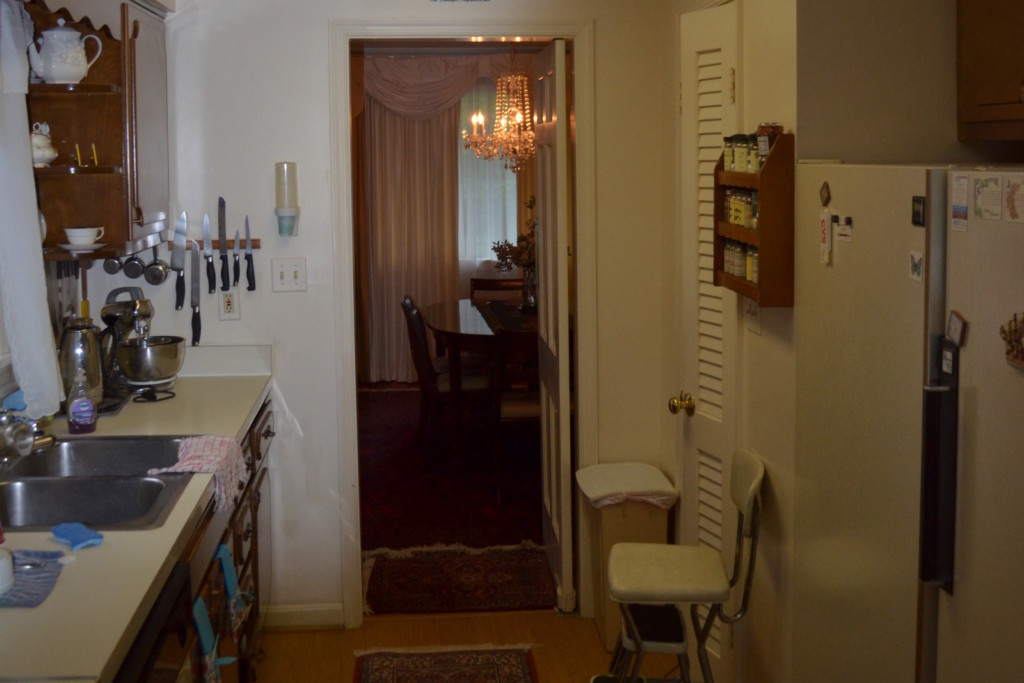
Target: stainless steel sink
113, 502
94, 457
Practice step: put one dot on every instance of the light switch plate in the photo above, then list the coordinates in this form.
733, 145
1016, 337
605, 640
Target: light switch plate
289, 274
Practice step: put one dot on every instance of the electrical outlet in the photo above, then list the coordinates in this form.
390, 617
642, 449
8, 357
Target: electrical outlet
289, 274
229, 306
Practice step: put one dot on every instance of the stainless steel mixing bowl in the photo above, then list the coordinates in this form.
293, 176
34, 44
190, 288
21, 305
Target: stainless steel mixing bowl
153, 360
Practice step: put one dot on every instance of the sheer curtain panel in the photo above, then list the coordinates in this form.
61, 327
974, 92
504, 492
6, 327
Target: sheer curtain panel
411, 238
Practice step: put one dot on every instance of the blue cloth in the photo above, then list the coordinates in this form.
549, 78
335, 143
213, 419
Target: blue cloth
16, 401
76, 535
32, 583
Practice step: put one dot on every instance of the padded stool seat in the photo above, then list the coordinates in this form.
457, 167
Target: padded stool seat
651, 582
658, 574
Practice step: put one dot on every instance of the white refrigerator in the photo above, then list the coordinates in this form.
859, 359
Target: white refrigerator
908, 549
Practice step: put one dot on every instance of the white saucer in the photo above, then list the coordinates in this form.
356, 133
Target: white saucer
82, 248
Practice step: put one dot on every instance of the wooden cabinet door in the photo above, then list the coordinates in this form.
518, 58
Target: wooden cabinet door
990, 70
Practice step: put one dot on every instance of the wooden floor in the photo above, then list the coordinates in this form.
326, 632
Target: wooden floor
566, 649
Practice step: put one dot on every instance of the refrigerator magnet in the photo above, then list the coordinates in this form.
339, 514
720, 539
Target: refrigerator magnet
956, 330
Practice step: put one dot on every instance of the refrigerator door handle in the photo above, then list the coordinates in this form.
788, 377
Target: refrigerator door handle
938, 473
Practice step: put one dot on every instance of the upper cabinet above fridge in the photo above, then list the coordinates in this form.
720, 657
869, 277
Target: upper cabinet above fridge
990, 70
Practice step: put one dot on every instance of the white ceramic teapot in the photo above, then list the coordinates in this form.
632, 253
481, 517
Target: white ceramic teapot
43, 151
61, 58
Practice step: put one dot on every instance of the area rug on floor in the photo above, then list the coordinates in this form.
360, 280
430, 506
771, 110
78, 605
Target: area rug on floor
458, 579
462, 665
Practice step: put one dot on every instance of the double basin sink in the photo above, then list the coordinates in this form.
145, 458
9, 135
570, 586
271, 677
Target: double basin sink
100, 482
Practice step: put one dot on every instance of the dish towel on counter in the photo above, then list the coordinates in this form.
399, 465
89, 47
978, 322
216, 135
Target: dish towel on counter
220, 455
32, 583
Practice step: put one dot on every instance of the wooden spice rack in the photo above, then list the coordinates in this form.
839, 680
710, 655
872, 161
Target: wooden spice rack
773, 237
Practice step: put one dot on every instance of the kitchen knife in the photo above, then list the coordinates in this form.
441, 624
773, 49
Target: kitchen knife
250, 272
222, 234
211, 274
178, 261
234, 251
197, 325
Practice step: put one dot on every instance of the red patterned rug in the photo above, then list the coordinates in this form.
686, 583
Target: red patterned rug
464, 666
460, 580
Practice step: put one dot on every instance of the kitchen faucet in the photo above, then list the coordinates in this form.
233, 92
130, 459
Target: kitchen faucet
21, 438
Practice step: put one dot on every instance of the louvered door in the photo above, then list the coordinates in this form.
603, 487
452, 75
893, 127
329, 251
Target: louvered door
709, 313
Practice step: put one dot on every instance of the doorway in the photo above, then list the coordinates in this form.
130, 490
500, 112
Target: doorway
342, 35
472, 481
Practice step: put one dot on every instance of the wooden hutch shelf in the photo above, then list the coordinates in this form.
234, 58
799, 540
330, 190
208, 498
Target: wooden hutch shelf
773, 238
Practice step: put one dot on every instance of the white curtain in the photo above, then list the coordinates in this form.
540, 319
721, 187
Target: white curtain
412, 194
408, 239
22, 279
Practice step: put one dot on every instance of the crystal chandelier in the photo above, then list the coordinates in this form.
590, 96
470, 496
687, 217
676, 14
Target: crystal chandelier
512, 139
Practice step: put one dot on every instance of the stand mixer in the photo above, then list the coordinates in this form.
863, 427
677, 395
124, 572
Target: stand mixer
141, 361
122, 318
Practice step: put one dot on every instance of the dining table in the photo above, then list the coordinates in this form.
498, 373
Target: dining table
492, 328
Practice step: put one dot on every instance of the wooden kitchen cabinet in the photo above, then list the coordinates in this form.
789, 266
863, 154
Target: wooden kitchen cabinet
109, 130
252, 536
990, 70
773, 238
247, 536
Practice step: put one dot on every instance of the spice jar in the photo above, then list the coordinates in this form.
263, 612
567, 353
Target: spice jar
767, 132
727, 153
739, 153
753, 162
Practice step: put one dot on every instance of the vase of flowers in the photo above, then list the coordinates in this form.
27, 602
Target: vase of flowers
522, 255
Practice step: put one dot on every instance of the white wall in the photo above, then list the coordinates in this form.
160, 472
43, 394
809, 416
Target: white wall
768, 370
878, 84
250, 85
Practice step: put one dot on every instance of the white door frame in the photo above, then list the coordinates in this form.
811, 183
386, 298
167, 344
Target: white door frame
342, 33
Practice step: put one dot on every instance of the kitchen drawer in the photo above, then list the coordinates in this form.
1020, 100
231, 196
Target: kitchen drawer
261, 434
243, 526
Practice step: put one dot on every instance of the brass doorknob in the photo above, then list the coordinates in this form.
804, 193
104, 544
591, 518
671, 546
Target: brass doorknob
684, 401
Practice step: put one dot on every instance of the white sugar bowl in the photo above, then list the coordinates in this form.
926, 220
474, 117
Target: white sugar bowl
43, 151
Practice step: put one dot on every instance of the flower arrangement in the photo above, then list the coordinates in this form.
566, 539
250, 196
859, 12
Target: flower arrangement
522, 254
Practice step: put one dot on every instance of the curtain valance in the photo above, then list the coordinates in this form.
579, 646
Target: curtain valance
422, 87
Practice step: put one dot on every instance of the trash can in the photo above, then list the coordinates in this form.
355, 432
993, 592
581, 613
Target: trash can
629, 502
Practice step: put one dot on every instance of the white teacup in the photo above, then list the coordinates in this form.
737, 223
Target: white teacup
83, 237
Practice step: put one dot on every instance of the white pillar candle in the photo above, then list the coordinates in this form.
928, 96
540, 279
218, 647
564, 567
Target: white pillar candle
287, 185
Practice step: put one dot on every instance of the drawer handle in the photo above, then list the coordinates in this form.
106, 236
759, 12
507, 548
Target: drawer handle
241, 485
248, 532
269, 433
248, 464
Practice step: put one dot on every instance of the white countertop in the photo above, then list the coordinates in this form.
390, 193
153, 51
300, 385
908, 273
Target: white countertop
220, 406
84, 628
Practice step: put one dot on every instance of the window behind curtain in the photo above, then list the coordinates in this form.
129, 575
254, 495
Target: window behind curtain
487, 192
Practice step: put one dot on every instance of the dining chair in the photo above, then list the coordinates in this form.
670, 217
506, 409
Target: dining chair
494, 284
652, 581
435, 381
